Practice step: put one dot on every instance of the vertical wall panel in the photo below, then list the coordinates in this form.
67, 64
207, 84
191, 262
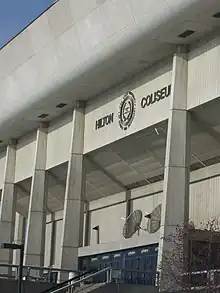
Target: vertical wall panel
84, 229
205, 200
2, 169
58, 233
204, 205
25, 157
146, 204
203, 73
58, 142
109, 222
47, 252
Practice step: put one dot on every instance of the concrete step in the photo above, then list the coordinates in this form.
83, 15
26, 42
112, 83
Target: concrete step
113, 288
88, 288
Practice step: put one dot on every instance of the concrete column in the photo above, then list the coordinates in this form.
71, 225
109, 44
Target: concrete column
36, 224
87, 215
73, 217
8, 204
52, 240
175, 208
19, 235
128, 203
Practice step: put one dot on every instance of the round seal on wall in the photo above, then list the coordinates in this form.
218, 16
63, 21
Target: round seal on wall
127, 110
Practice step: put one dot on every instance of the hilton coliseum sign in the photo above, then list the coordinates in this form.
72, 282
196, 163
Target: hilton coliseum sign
127, 108
127, 111
156, 96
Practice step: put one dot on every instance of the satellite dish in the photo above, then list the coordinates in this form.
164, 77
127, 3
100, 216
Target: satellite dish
132, 224
154, 220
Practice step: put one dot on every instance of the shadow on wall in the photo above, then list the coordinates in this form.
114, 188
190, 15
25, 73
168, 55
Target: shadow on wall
207, 43
131, 83
10, 286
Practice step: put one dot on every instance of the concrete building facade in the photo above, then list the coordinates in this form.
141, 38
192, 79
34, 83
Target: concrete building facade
110, 109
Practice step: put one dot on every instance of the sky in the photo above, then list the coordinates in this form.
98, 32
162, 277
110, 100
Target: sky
16, 14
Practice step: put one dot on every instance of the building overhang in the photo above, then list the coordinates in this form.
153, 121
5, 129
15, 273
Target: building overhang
58, 61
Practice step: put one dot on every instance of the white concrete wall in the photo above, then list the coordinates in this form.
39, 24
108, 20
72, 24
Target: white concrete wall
203, 85
59, 131
57, 217
146, 204
205, 200
204, 205
109, 222
203, 72
25, 155
54, 51
153, 80
107, 213
2, 168
47, 252
58, 235
58, 141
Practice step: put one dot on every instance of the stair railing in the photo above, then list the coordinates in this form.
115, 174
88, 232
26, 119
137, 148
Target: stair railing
33, 273
83, 280
67, 282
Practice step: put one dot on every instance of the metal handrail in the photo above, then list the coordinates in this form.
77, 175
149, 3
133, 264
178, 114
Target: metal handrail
134, 271
109, 269
59, 285
157, 273
34, 273
109, 277
201, 272
210, 277
40, 268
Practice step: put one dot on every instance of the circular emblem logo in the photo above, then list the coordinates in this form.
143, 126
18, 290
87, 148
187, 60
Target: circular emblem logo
127, 111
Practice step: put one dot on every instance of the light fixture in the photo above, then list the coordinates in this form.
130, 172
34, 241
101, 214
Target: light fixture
12, 246
216, 15
96, 228
148, 216
186, 34
44, 115
61, 105
157, 131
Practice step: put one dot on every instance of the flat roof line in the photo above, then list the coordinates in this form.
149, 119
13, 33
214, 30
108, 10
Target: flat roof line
49, 7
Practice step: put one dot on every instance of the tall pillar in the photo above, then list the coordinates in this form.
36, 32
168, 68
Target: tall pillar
8, 204
19, 235
175, 208
87, 219
73, 217
36, 224
128, 203
52, 239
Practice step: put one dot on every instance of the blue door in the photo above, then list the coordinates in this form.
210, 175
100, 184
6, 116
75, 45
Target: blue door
94, 265
105, 262
131, 266
138, 265
117, 260
148, 265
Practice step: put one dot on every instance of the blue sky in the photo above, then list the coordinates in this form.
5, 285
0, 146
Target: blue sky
16, 14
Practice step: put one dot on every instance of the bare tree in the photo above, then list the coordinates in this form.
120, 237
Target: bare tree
193, 258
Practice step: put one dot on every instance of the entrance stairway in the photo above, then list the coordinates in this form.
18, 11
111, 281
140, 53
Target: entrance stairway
107, 280
119, 288
88, 284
